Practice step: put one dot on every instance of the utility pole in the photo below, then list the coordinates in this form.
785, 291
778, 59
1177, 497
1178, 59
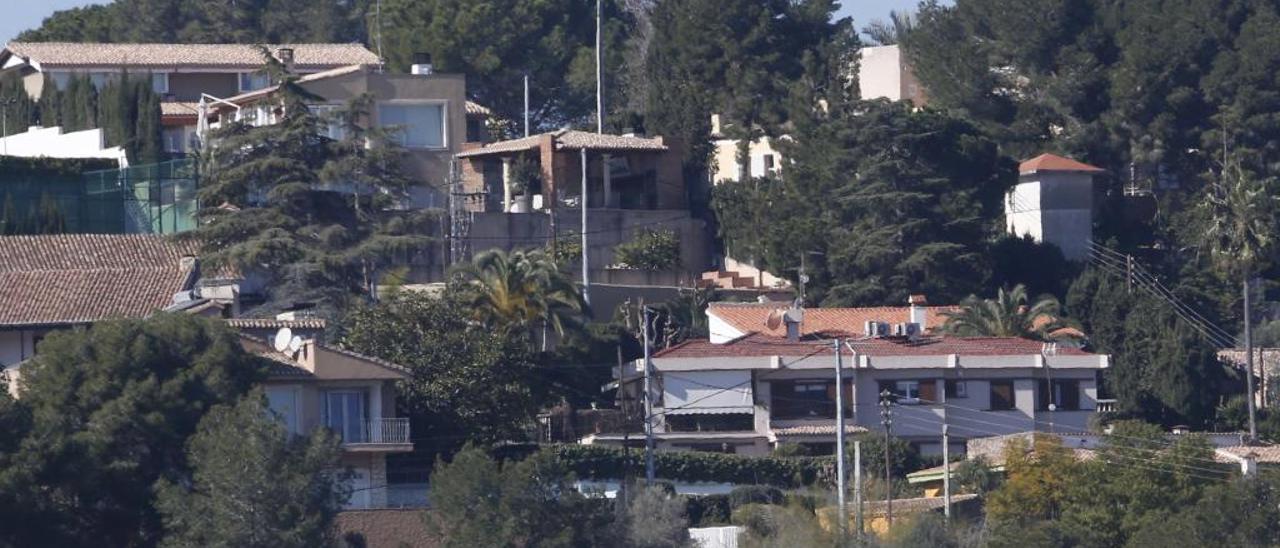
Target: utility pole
586, 273
526, 104
946, 470
1248, 351
886, 419
857, 487
840, 475
599, 66
626, 431
5, 103
648, 404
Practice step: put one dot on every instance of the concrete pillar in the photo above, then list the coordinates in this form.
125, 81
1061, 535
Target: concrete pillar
506, 185
608, 182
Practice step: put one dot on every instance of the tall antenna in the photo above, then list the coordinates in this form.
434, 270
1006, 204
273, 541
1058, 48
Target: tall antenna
526, 104
377, 21
599, 67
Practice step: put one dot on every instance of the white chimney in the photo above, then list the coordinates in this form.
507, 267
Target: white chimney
421, 65
918, 311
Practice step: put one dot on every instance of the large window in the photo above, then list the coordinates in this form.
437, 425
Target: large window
330, 124
283, 401
808, 399
420, 125
345, 412
1064, 394
253, 81
912, 392
160, 82
1002, 396
732, 422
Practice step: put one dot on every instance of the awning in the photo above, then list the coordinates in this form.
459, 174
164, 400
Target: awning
703, 392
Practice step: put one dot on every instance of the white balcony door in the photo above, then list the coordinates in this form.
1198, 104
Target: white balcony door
345, 414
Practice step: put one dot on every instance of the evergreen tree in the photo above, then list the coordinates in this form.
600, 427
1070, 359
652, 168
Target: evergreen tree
48, 217
314, 245
10, 223
253, 484
111, 408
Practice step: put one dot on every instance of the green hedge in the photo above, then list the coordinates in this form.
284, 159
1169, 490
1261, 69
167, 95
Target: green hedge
602, 462
16, 168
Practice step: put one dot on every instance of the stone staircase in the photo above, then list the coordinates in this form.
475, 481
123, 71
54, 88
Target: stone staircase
726, 279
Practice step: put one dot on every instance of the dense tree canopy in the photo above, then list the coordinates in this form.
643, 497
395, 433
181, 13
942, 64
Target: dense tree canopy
105, 413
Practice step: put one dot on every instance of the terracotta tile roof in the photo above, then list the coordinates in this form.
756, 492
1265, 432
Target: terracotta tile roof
1053, 162
567, 139
80, 278
815, 430
272, 323
177, 108
913, 506
1265, 454
757, 345
750, 317
167, 56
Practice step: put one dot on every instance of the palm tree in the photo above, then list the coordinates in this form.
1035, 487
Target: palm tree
1239, 216
1005, 316
520, 291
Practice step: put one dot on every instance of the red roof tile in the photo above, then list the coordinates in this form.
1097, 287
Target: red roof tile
81, 278
1053, 162
750, 317
757, 345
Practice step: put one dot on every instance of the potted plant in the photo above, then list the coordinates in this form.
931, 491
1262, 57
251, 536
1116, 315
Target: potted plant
524, 176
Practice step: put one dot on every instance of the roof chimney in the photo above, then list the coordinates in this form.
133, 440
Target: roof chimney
421, 64
918, 314
793, 318
285, 55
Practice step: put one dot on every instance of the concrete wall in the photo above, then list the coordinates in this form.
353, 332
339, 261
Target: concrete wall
51, 142
725, 159
428, 167
1056, 208
883, 72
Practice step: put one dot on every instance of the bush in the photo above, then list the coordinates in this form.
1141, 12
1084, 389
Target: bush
597, 461
756, 518
792, 450
754, 494
805, 501
708, 510
649, 249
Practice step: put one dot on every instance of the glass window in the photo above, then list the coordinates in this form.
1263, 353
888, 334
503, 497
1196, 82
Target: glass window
1002, 395
100, 79
60, 79
283, 402
330, 125
1065, 395
160, 82
956, 389
420, 125
808, 399
345, 414
253, 81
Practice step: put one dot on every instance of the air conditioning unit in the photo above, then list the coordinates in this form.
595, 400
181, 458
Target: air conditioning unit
873, 328
913, 329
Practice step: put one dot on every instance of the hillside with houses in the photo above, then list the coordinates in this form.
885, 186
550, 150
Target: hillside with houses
640, 273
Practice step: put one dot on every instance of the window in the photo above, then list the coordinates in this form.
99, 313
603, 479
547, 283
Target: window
730, 422
956, 389
420, 125
905, 392
253, 81
160, 82
808, 399
283, 402
331, 126
1002, 396
344, 413
1065, 395
60, 79
768, 162
100, 79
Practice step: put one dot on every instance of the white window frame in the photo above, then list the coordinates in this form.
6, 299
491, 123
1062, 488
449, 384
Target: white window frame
910, 391
444, 118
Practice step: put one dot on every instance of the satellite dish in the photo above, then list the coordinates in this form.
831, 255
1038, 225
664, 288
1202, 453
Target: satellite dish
774, 320
295, 344
283, 337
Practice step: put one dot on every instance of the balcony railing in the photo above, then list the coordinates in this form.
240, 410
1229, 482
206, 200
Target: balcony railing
1106, 406
381, 432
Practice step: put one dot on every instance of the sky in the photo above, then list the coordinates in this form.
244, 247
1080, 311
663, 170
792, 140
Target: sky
25, 14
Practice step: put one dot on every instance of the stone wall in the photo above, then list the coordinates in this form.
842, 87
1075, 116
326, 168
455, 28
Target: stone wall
385, 528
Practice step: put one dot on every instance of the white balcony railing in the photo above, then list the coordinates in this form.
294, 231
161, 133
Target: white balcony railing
381, 432
1106, 406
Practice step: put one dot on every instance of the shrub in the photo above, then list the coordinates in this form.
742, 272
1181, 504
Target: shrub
708, 510
649, 249
754, 494
805, 501
792, 450
597, 461
756, 518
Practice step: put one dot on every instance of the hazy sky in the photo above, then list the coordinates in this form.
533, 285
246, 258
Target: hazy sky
24, 14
